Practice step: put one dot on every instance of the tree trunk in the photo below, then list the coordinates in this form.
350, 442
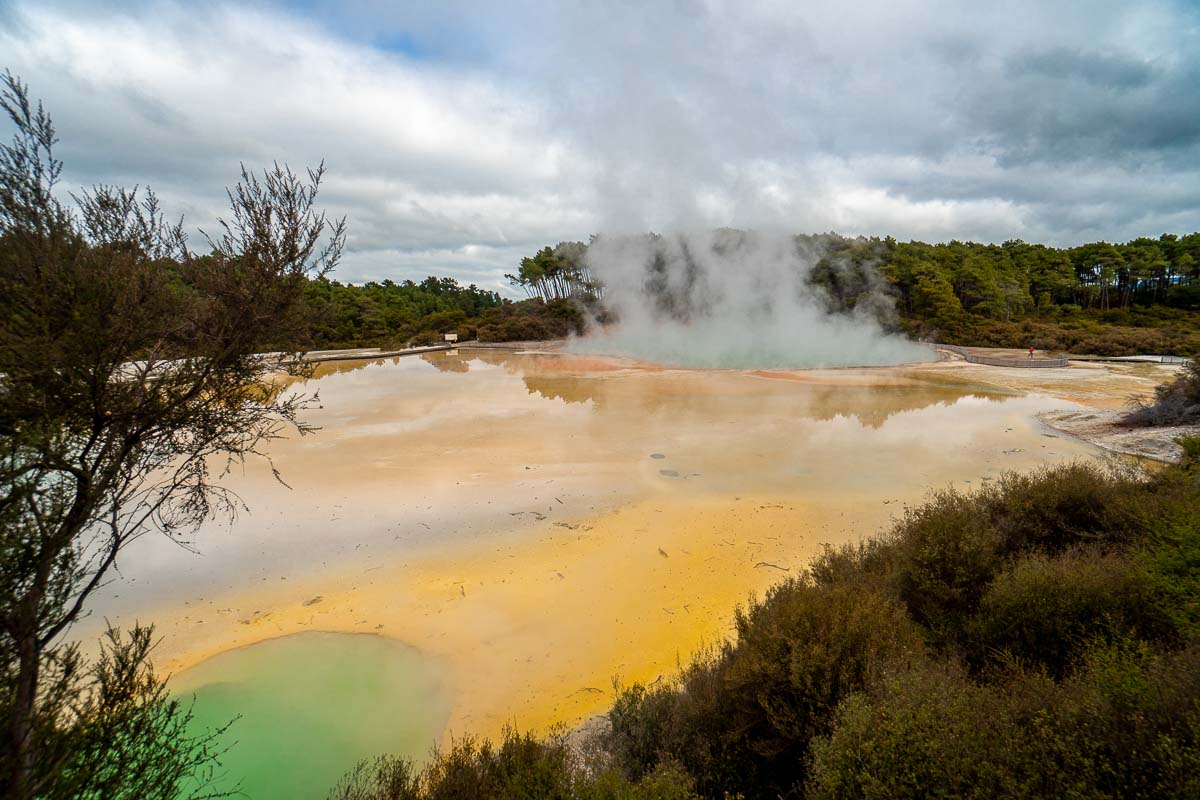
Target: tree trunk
20, 726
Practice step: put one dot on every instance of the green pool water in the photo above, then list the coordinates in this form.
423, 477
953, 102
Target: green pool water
311, 705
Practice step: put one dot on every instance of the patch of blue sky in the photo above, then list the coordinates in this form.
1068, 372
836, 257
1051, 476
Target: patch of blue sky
446, 34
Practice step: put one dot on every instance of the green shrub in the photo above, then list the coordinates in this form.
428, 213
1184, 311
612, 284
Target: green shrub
1053, 509
942, 556
1127, 725
522, 767
1171, 550
928, 732
949, 552
1191, 450
740, 720
1045, 609
1026, 587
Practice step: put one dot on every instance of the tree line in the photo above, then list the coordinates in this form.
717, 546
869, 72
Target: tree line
1110, 299
386, 311
1001, 281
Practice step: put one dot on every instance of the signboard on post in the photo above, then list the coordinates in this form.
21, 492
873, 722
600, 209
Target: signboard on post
451, 337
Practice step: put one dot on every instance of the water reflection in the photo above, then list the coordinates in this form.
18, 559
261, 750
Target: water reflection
448, 361
565, 378
412, 450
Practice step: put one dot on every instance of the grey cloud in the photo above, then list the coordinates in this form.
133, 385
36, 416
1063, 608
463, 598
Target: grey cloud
1106, 70
682, 108
1063, 106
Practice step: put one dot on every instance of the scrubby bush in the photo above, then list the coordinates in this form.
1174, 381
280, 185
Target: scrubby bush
740, 720
1175, 403
1031, 593
1068, 329
949, 552
521, 767
943, 555
1191, 451
1125, 725
1045, 609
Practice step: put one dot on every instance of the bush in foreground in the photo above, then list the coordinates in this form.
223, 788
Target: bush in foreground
1034, 638
740, 720
520, 767
1125, 724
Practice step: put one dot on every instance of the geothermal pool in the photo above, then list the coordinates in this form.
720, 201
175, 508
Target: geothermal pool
308, 704
506, 532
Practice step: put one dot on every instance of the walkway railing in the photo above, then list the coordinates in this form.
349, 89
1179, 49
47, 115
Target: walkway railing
1148, 359
993, 361
369, 353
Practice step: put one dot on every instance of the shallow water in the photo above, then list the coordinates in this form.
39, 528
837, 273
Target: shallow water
306, 706
551, 521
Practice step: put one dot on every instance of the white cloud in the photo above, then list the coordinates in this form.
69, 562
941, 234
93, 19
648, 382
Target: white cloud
520, 125
420, 159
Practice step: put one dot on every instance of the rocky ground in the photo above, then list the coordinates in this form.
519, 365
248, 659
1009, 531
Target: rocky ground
1106, 429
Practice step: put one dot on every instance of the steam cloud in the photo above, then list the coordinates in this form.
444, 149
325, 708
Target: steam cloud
733, 299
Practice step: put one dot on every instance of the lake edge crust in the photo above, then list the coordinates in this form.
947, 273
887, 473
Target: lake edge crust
1106, 430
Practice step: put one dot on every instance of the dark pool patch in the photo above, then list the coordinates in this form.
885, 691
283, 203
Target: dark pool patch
657, 455
669, 473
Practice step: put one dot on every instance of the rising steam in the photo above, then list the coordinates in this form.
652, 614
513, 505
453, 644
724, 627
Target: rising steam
733, 299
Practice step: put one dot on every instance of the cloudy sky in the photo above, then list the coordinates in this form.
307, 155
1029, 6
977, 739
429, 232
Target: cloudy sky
459, 136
